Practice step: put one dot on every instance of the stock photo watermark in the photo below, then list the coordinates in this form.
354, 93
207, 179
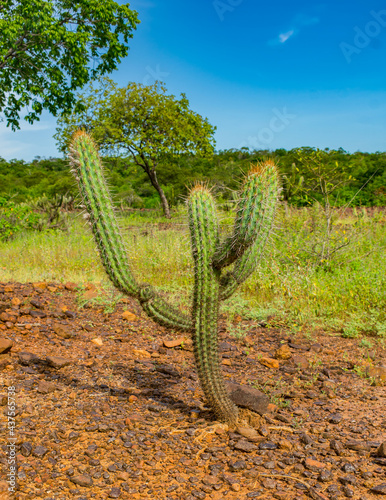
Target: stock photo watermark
11, 439
363, 37
280, 120
223, 7
154, 75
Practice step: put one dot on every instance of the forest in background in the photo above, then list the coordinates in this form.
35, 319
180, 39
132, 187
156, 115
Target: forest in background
358, 179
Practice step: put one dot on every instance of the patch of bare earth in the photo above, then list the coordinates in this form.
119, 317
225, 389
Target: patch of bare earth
105, 408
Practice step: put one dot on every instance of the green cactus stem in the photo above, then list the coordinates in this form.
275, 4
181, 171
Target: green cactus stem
243, 249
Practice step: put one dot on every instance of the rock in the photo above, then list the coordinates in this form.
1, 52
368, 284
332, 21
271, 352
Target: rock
115, 492
249, 433
335, 418
325, 476
28, 358
57, 361
300, 362
71, 287
15, 301
284, 352
353, 444
39, 451
37, 304
5, 345
82, 480
62, 331
316, 348
313, 465
380, 489
245, 446
129, 316
141, 353
337, 446
267, 445
238, 465
378, 374
38, 314
248, 397
97, 341
45, 387
174, 342
285, 444
270, 363
26, 449
381, 451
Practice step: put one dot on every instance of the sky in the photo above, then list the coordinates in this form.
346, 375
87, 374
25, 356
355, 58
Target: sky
268, 75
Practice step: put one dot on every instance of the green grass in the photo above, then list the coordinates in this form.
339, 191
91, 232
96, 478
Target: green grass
346, 294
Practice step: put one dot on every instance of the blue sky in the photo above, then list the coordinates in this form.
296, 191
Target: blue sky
267, 74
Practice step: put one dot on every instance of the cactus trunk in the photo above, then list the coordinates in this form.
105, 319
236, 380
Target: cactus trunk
212, 284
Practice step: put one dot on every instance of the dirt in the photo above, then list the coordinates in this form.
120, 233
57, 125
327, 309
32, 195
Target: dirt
107, 405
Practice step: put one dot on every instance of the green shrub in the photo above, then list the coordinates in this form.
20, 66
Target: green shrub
15, 218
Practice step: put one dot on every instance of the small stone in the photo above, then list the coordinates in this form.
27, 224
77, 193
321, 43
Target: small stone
26, 449
28, 358
353, 444
39, 451
348, 492
141, 353
58, 361
379, 489
248, 397
285, 444
249, 433
284, 352
300, 362
174, 342
71, 287
325, 476
5, 345
97, 341
381, 451
349, 479
337, 446
62, 331
115, 493
270, 363
335, 418
37, 304
82, 480
267, 445
129, 316
313, 465
316, 348
377, 374
236, 466
226, 362
348, 468
245, 446
45, 387
234, 487
15, 301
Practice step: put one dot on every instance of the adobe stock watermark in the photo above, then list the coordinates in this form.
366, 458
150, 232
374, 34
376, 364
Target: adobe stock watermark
154, 75
223, 6
11, 439
280, 120
363, 37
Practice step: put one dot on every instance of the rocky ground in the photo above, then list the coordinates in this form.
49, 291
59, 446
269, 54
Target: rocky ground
107, 405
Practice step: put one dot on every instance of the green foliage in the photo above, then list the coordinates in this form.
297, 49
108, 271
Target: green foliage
14, 219
255, 212
51, 48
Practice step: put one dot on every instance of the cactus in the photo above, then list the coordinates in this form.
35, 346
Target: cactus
243, 248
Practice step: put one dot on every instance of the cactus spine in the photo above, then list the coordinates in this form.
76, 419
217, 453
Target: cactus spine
243, 248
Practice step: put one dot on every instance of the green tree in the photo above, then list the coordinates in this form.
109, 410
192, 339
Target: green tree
51, 48
142, 123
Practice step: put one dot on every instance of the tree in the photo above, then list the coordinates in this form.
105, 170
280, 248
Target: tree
141, 122
51, 48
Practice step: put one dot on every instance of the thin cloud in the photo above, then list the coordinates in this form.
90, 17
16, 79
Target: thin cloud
283, 37
299, 21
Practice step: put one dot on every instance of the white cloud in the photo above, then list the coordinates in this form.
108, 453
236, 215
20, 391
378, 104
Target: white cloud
298, 22
283, 37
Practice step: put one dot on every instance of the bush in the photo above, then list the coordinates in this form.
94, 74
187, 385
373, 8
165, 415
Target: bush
15, 218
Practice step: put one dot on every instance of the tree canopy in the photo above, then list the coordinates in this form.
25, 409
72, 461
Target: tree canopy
143, 123
51, 48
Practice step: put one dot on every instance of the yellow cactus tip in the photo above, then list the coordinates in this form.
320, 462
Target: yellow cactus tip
261, 166
79, 133
199, 186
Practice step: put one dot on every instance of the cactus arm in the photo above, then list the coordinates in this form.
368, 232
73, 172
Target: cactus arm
88, 170
251, 222
204, 235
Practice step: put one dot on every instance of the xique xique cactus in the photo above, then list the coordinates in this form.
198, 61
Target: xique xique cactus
212, 282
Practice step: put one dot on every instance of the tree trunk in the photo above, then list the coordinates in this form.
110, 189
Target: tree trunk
164, 202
